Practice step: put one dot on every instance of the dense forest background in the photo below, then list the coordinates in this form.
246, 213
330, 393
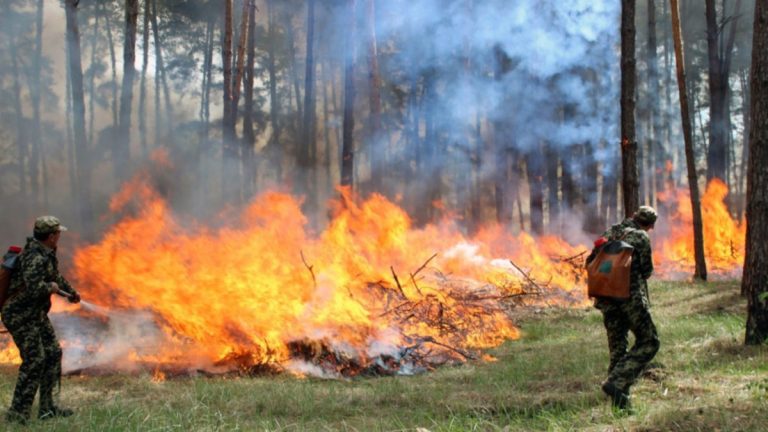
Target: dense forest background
485, 111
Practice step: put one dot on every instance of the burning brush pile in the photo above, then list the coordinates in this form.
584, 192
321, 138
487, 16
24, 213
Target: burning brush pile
369, 295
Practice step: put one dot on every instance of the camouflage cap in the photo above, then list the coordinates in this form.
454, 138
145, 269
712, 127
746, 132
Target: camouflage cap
645, 215
48, 224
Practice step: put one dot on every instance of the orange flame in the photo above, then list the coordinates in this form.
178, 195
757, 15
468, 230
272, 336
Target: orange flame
369, 284
251, 289
724, 237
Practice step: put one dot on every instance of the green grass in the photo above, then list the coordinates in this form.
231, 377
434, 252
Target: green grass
548, 380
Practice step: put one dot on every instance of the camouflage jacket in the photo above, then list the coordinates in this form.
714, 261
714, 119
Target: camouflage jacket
642, 261
29, 290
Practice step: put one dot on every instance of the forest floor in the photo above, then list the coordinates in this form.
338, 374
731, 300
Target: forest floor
705, 379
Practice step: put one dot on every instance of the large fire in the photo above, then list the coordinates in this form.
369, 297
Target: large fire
370, 293
724, 237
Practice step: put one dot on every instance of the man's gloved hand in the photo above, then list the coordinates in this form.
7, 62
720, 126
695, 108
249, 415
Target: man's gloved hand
74, 298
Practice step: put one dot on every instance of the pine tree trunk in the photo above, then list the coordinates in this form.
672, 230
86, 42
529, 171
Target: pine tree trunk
337, 82
249, 135
229, 146
552, 167
327, 80
726, 64
716, 153
413, 168
655, 147
113, 63
629, 182
205, 105
500, 180
348, 146
693, 184
609, 195
274, 103
22, 146
572, 198
502, 151
71, 164
143, 84
36, 153
377, 151
536, 172
308, 152
667, 116
92, 81
431, 149
240, 62
121, 152
476, 183
756, 258
78, 105
204, 145
591, 218
745, 107
161, 81
294, 70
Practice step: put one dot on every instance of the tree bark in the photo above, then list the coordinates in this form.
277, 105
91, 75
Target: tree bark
92, 81
113, 63
230, 154
348, 146
552, 167
629, 181
591, 219
742, 173
655, 148
308, 152
161, 82
502, 151
37, 152
78, 105
667, 116
143, 84
249, 135
294, 71
571, 185
205, 104
21, 136
121, 152
536, 171
240, 60
718, 53
71, 164
693, 184
274, 103
755, 279
327, 80
377, 151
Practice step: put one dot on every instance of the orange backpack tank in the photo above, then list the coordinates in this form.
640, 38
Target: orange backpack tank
608, 272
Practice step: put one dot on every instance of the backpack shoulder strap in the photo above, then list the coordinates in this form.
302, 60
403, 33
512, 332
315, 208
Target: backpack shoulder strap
626, 232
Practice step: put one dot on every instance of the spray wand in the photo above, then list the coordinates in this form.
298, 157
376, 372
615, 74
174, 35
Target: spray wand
84, 304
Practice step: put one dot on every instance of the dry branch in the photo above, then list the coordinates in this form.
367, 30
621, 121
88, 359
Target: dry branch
397, 281
309, 267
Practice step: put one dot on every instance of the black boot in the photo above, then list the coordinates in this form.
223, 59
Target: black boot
16, 417
54, 412
619, 398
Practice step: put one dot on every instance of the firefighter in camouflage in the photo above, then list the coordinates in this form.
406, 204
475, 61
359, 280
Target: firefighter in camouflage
633, 314
25, 315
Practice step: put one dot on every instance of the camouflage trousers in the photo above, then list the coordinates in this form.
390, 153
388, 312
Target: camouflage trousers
619, 318
40, 362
